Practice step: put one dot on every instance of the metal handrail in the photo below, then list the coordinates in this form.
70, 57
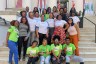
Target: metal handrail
95, 26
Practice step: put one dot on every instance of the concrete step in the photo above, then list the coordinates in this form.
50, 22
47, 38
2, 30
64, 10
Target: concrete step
86, 60
8, 12
3, 48
88, 54
88, 29
87, 33
81, 42
87, 36
15, 9
87, 45
87, 40
4, 53
9, 17
87, 49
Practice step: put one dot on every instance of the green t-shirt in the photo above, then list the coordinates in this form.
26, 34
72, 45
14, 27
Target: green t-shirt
46, 17
56, 49
14, 33
70, 49
45, 49
32, 51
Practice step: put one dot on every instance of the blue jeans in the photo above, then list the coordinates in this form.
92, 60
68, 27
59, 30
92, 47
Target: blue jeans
74, 58
13, 50
45, 60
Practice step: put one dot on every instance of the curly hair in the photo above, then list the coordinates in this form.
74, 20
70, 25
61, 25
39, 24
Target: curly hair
56, 37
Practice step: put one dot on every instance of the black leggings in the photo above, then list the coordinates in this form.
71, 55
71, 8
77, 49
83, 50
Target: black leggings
41, 37
51, 30
32, 60
21, 43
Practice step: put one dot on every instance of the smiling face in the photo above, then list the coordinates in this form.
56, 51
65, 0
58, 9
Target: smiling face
56, 41
59, 17
44, 42
54, 9
16, 23
27, 9
65, 10
24, 14
73, 14
70, 21
61, 10
34, 44
37, 14
31, 15
44, 11
42, 18
24, 20
67, 41
51, 15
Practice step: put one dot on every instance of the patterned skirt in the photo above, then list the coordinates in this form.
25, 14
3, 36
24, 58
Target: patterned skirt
60, 32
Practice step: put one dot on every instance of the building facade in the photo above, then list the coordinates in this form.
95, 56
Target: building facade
79, 4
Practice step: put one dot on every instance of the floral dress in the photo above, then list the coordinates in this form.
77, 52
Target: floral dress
59, 30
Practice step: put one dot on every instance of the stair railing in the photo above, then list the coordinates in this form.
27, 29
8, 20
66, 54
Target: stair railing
94, 25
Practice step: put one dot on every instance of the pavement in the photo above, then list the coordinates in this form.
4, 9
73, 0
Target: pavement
3, 32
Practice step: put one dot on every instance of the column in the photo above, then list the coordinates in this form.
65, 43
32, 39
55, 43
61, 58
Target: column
11, 3
34, 4
78, 5
51, 3
2, 5
18, 3
26, 3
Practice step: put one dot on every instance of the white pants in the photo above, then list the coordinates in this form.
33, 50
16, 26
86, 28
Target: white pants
74, 58
44, 60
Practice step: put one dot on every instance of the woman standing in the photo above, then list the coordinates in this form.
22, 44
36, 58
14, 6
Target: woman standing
50, 22
46, 15
55, 11
48, 10
37, 17
11, 41
75, 18
42, 30
32, 24
74, 34
23, 32
22, 14
59, 30
35, 10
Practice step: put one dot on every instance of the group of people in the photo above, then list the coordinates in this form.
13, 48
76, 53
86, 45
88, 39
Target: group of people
51, 36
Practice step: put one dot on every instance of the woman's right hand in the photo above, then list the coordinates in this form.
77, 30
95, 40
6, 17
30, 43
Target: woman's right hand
25, 39
41, 53
37, 36
6, 44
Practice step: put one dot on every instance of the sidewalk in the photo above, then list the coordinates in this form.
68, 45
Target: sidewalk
3, 32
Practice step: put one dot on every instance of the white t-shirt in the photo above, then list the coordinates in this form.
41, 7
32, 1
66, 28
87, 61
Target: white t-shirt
43, 27
32, 24
19, 19
37, 19
50, 22
75, 19
60, 23
27, 15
